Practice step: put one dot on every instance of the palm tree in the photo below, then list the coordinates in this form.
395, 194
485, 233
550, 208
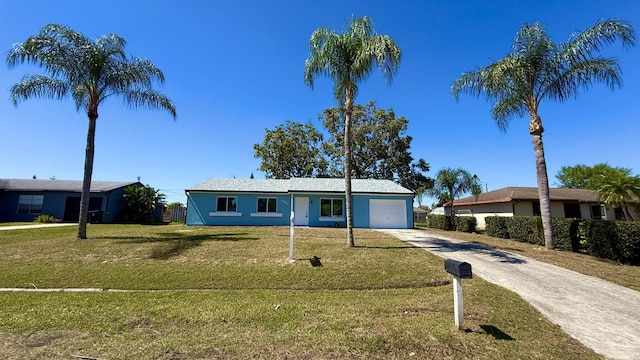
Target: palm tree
537, 69
90, 71
452, 183
618, 191
348, 59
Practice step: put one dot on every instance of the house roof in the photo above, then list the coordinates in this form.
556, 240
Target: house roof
300, 185
60, 185
510, 194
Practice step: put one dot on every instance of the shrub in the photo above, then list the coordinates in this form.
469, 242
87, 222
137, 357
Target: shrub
44, 219
496, 226
600, 238
526, 229
565, 234
628, 241
466, 223
439, 221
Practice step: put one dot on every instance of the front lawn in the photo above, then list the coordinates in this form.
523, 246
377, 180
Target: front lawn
230, 292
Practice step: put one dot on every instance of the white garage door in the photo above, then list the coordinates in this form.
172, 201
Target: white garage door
387, 214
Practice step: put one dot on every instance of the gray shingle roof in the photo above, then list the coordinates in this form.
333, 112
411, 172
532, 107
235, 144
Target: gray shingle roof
300, 185
60, 185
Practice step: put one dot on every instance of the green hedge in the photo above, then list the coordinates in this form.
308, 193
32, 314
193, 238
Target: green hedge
496, 226
441, 222
616, 240
466, 223
565, 234
526, 229
629, 241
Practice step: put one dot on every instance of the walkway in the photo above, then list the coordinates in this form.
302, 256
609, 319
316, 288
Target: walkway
603, 316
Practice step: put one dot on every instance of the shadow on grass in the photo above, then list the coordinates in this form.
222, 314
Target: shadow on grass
495, 332
171, 245
387, 247
443, 245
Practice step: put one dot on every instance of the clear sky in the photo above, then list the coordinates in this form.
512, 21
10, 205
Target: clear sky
235, 68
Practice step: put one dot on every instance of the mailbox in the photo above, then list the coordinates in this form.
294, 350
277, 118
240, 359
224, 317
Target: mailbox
457, 268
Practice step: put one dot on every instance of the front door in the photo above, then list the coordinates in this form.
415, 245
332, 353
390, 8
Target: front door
301, 211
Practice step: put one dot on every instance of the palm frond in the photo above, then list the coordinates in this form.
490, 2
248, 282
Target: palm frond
38, 86
582, 46
149, 98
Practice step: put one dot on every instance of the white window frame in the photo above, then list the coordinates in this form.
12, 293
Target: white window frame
332, 217
226, 203
33, 203
268, 199
271, 214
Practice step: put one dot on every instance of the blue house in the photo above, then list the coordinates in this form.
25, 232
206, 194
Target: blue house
314, 202
25, 199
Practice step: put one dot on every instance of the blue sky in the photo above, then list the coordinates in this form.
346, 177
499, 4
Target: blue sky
235, 68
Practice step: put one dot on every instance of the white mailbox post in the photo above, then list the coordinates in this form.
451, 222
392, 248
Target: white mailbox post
460, 270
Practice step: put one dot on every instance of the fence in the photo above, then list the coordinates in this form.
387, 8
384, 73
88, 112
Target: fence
176, 214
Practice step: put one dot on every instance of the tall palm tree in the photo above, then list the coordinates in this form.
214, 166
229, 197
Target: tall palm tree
618, 191
452, 183
348, 59
90, 71
538, 69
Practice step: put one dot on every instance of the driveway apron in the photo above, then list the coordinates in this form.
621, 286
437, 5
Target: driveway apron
601, 315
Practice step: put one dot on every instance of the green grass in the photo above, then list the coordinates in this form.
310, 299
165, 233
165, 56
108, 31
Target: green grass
229, 292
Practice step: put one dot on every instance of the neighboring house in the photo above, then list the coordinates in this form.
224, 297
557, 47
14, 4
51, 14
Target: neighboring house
419, 215
316, 202
24, 200
523, 201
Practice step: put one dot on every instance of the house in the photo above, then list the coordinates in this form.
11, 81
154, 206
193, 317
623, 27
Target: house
524, 201
419, 214
25, 199
309, 201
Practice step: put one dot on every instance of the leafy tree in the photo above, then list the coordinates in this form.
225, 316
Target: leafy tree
452, 183
618, 190
348, 59
380, 149
140, 202
90, 71
536, 69
585, 177
291, 150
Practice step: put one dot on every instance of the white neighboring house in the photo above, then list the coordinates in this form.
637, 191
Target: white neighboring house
523, 201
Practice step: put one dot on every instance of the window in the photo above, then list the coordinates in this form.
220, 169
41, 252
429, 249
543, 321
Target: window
536, 208
572, 211
598, 212
331, 207
30, 204
227, 204
267, 205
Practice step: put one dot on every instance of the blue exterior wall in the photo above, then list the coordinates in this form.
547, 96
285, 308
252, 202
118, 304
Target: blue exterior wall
201, 209
54, 204
201, 204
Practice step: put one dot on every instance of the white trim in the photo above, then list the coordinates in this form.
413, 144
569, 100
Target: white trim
331, 218
225, 213
266, 215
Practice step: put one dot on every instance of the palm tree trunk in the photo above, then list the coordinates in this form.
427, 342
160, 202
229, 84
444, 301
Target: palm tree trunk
88, 171
348, 109
535, 129
627, 214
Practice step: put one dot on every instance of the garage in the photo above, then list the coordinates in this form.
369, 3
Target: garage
387, 214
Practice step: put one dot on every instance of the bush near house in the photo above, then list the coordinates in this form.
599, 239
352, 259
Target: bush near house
461, 223
496, 226
615, 240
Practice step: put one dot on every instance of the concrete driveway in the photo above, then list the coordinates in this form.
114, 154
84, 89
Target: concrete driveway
603, 316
